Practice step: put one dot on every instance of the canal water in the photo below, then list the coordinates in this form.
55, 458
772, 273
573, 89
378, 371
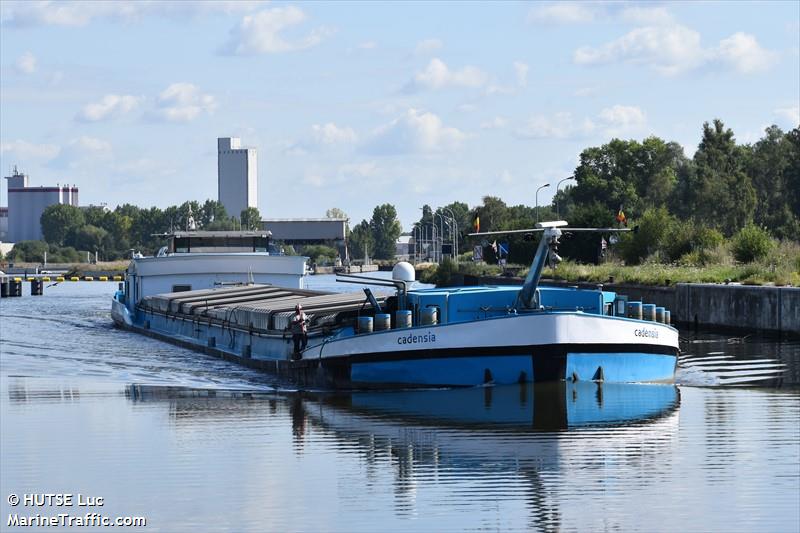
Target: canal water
192, 443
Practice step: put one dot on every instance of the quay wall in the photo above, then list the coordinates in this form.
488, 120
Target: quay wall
745, 308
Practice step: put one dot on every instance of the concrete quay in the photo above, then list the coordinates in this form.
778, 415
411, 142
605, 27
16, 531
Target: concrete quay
745, 308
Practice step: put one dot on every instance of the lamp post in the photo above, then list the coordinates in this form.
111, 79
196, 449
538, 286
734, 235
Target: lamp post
558, 213
537, 200
455, 234
441, 231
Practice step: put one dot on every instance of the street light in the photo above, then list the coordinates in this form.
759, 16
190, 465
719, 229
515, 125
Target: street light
537, 200
455, 235
558, 214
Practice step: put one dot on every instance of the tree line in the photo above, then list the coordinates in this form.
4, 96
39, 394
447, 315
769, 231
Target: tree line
69, 231
681, 205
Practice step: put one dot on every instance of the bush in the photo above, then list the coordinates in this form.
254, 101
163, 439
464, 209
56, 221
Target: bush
654, 227
440, 275
67, 254
751, 243
320, 254
28, 252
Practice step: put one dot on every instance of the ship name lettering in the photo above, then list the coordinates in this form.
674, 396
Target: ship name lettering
417, 339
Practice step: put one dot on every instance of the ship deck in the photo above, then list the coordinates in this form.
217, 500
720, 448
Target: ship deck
264, 308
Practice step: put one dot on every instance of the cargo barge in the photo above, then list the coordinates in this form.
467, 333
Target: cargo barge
443, 337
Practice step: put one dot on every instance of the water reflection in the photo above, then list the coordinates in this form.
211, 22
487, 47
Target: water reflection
544, 457
507, 440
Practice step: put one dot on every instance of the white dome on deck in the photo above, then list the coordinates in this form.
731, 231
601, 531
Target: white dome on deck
404, 271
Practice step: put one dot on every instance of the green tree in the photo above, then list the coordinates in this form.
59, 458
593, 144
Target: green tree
493, 214
59, 220
769, 165
319, 253
385, 230
335, 212
28, 252
655, 226
720, 195
250, 219
90, 238
94, 215
751, 243
792, 174
360, 241
211, 211
630, 174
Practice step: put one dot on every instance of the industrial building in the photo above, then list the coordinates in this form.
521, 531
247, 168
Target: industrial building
306, 231
3, 224
237, 175
26, 205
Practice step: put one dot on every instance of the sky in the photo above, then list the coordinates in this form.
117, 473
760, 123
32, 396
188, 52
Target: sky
352, 105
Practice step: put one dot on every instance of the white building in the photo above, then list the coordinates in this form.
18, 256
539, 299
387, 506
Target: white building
26, 205
237, 175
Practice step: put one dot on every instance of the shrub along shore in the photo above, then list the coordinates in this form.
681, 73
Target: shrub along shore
778, 263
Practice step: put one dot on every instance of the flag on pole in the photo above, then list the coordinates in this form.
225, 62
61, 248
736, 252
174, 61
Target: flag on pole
477, 224
621, 217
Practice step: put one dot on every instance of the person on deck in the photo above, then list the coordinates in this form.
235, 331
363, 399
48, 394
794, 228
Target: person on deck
299, 327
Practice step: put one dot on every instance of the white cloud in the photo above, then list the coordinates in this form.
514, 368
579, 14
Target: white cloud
495, 123
427, 46
621, 119
466, 108
26, 151
353, 173
182, 102
26, 63
675, 49
415, 132
742, 52
612, 121
367, 45
330, 133
111, 105
82, 155
81, 13
91, 144
261, 33
521, 70
437, 75
325, 135
649, 16
791, 114
563, 13
561, 125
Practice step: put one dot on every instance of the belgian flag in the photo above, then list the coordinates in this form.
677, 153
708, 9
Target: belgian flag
477, 224
621, 217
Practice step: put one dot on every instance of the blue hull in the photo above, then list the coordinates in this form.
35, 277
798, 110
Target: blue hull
449, 367
504, 370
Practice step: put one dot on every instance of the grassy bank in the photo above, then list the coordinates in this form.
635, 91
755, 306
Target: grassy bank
781, 266
100, 266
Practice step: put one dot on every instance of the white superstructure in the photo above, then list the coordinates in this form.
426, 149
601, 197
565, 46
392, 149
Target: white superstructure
237, 175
